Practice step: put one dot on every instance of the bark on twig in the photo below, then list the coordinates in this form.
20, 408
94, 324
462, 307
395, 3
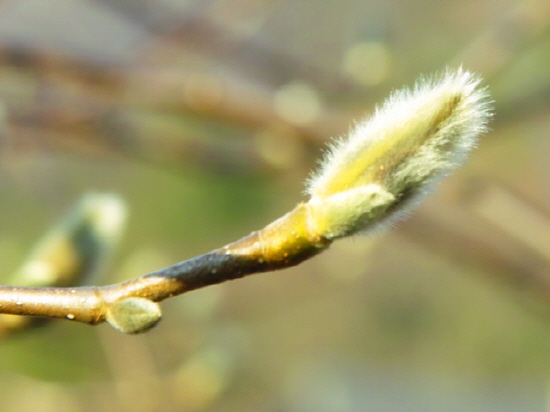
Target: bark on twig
269, 249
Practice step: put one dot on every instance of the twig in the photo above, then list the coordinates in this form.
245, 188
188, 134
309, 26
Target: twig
262, 251
384, 166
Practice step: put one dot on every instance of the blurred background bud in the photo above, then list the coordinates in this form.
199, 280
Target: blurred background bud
73, 252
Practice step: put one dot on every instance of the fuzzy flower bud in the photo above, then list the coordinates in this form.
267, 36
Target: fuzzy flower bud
393, 158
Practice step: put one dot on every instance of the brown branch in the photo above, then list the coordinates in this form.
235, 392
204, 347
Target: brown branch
127, 305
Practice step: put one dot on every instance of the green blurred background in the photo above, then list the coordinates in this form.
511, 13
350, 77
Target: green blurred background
206, 116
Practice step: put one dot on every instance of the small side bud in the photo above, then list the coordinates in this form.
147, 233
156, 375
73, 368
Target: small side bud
391, 160
133, 315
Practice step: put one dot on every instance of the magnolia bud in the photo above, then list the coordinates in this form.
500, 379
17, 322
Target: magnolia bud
393, 158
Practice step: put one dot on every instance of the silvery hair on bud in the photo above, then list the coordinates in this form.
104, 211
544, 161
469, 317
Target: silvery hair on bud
413, 139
